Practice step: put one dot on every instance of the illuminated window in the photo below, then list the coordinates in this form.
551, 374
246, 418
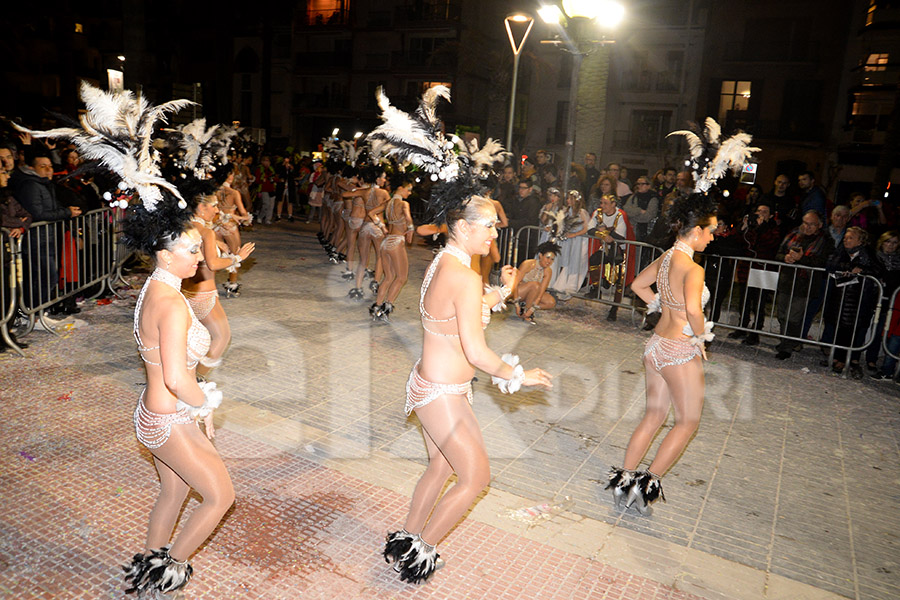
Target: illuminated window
735, 95
328, 12
79, 28
877, 62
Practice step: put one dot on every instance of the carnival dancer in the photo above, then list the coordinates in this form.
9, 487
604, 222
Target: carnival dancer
398, 229
672, 357
455, 308
230, 215
115, 131
532, 280
200, 289
361, 200
371, 233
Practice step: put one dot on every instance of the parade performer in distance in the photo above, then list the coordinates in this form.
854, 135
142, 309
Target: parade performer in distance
200, 289
398, 230
672, 357
455, 308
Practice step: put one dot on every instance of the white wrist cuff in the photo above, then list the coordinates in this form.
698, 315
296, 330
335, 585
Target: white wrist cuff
213, 400
706, 336
504, 293
654, 306
511, 385
235, 263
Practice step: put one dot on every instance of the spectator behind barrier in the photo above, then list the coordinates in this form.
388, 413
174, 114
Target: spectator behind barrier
807, 246
852, 298
32, 186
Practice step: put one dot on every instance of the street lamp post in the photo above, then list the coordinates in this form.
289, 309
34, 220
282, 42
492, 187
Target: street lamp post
574, 18
520, 18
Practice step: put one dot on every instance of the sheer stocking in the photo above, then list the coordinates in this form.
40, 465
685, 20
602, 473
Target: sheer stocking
188, 458
682, 387
452, 427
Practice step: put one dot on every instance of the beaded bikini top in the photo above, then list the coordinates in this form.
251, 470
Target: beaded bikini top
666, 297
198, 337
466, 260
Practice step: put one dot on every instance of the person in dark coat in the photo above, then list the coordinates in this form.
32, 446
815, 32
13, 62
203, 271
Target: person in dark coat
850, 305
33, 187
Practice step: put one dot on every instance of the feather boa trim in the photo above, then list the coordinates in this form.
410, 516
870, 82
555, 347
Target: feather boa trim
706, 336
502, 291
511, 385
157, 571
418, 563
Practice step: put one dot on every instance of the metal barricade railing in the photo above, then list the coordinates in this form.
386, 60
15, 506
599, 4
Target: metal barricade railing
61, 259
885, 333
9, 265
811, 305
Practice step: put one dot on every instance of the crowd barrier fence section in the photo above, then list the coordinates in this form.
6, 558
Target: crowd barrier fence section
9, 282
895, 354
62, 259
837, 311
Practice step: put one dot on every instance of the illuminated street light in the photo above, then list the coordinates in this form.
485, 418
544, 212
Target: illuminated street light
357, 135
522, 19
121, 57
335, 132
572, 19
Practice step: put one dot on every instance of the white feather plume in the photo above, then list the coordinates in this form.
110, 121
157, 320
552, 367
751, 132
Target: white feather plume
117, 132
713, 131
695, 144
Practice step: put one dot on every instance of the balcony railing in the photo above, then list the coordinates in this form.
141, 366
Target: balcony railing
429, 13
650, 81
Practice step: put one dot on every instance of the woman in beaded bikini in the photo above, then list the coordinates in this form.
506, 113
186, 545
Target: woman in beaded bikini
673, 356
171, 342
455, 310
200, 289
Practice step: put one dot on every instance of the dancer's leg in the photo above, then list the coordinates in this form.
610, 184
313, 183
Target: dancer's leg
450, 422
192, 456
350, 245
429, 487
686, 386
389, 276
401, 272
172, 493
232, 239
363, 243
219, 332
655, 413
379, 259
546, 301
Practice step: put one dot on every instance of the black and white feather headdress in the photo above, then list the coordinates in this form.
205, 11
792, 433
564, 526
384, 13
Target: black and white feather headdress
116, 131
419, 139
710, 157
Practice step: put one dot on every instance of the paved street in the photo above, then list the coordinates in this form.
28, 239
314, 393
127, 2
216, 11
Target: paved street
790, 489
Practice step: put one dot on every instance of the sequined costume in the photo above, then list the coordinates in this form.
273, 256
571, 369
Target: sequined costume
420, 391
201, 303
535, 274
667, 352
392, 241
153, 429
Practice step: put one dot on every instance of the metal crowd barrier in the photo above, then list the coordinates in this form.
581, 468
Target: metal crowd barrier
58, 260
887, 325
9, 261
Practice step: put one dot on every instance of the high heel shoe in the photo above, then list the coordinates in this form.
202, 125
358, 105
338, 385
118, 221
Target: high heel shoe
645, 490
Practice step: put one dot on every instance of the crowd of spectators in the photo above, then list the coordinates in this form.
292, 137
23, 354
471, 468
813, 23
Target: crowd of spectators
823, 255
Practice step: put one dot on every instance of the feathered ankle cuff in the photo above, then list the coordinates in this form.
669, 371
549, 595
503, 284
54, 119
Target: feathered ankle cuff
419, 562
158, 571
397, 545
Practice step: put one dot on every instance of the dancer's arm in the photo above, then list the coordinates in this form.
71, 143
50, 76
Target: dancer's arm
507, 277
521, 272
211, 255
467, 304
239, 204
646, 278
409, 220
501, 214
693, 298
374, 216
173, 320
